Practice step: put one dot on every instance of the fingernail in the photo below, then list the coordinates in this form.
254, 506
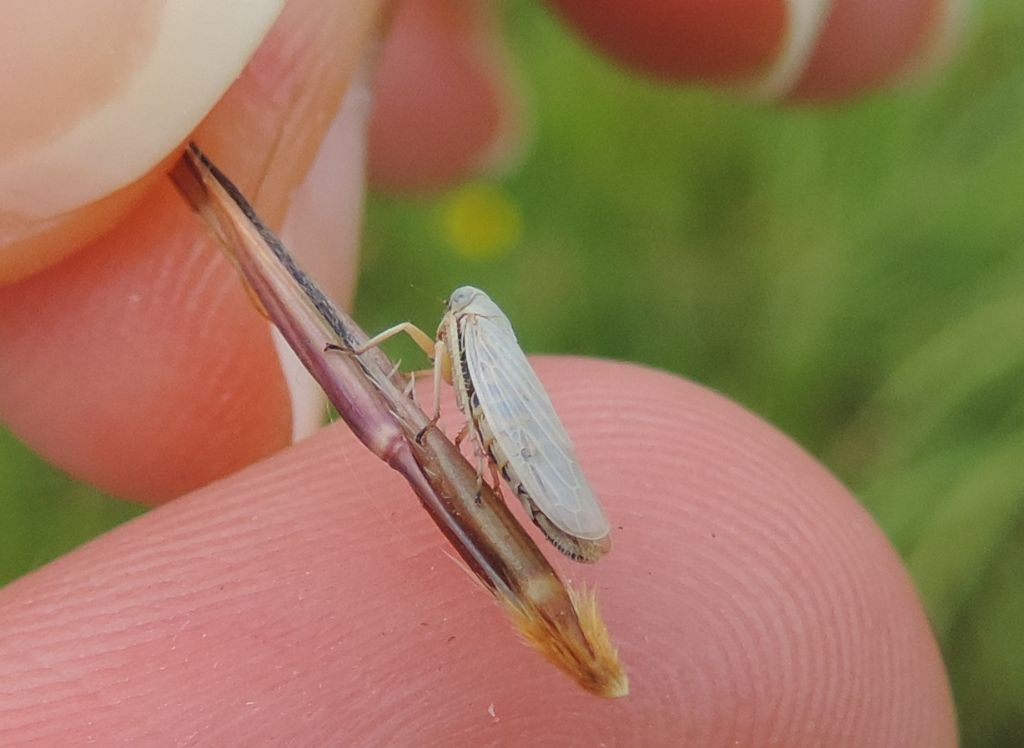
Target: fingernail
950, 22
805, 19
863, 45
111, 92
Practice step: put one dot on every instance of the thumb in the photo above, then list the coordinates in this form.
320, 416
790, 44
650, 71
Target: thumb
138, 364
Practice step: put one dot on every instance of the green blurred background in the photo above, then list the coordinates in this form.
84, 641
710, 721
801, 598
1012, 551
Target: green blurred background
853, 273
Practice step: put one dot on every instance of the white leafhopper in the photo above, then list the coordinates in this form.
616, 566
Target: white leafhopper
512, 420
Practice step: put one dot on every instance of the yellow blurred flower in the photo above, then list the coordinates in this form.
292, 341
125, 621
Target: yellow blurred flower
481, 221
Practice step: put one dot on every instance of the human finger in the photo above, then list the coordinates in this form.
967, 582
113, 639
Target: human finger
84, 121
307, 599
445, 103
138, 364
796, 49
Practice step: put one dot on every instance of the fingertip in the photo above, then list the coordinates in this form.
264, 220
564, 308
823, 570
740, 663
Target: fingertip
765, 597
29, 247
445, 106
775, 49
751, 598
866, 45
676, 41
139, 364
95, 97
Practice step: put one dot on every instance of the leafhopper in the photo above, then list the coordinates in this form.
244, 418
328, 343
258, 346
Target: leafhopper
511, 420
564, 625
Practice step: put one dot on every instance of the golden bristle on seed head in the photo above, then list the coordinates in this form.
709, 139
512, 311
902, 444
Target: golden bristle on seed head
581, 648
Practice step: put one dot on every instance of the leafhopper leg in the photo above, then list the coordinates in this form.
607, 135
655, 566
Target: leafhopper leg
420, 338
435, 349
496, 479
481, 455
440, 356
